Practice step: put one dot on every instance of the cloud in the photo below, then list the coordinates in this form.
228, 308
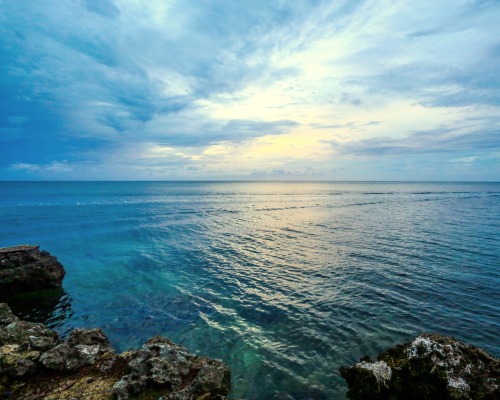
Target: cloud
54, 168
283, 173
191, 127
347, 125
80, 76
424, 142
17, 119
105, 8
84, 80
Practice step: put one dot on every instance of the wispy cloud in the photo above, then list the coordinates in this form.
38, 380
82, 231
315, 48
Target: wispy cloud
88, 81
426, 142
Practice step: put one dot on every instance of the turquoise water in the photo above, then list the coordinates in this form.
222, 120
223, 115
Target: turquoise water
284, 281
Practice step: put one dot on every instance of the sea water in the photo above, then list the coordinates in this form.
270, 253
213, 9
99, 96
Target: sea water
284, 281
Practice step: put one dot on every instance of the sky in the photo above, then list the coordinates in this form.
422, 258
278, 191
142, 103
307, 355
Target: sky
250, 90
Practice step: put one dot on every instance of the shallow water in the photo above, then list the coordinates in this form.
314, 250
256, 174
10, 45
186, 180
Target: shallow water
285, 281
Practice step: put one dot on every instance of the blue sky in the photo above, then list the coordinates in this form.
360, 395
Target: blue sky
333, 90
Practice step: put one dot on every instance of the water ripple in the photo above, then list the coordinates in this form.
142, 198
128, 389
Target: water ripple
284, 281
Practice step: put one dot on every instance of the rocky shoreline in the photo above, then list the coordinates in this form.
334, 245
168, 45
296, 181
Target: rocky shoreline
36, 363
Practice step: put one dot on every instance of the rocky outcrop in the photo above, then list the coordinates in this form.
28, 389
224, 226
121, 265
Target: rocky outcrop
432, 366
36, 363
161, 363
26, 268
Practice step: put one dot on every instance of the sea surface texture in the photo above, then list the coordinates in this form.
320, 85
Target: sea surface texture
284, 281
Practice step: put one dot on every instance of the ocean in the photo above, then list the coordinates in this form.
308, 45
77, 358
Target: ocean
284, 281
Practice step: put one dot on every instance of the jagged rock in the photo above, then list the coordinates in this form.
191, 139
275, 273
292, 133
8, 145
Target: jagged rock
83, 347
34, 360
16, 362
21, 344
432, 366
181, 375
56, 357
25, 268
28, 335
88, 337
6, 316
213, 378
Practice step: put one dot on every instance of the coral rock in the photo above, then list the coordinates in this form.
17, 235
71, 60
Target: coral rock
432, 366
174, 371
34, 360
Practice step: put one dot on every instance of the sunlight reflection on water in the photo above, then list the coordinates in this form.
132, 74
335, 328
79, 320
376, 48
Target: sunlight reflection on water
284, 281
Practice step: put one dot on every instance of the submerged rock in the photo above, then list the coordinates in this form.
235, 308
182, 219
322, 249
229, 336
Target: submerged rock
36, 363
25, 269
432, 366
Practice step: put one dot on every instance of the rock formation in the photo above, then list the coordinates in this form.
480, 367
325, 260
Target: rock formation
432, 366
35, 363
26, 268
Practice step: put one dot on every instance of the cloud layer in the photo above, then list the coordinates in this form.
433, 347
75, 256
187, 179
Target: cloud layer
166, 89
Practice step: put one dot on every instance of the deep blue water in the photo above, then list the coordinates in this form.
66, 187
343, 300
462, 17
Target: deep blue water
285, 282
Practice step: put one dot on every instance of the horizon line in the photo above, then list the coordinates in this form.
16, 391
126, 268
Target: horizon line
242, 181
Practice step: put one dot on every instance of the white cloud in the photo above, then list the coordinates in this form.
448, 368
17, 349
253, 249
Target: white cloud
228, 85
52, 169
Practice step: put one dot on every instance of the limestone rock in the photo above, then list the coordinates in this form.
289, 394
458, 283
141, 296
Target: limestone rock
56, 357
21, 344
432, 366
83, 347
28, 335
175, 372
25, 268
88, 337
6, 316
34, 360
